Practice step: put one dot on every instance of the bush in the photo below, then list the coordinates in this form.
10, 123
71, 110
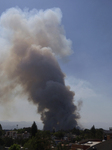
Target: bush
14, 147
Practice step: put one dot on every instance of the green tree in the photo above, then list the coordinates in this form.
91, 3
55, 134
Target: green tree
87, 134
41, 141
14, 147
8, 141
34, 129
99, 134
75, 131
59, 134
1, 141
93, 131
1, 130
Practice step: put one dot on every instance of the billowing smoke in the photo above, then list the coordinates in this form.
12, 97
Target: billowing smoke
31, 43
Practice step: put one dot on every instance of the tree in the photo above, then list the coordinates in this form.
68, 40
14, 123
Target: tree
41, 141
1, 141
8, 141
93, 131
99, 133
14, 147
59, 134
1, 130
34, 129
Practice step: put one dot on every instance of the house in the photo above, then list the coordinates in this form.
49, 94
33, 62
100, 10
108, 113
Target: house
85, 145
11, 134
79, 147
107, 134
14, 134
26, 135
106, 145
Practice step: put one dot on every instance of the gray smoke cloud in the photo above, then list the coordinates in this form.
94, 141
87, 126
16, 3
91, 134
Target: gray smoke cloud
31, 42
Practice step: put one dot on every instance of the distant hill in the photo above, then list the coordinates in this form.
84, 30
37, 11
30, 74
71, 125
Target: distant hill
21, 124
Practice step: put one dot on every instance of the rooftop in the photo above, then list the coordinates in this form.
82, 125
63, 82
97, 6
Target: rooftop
106, 145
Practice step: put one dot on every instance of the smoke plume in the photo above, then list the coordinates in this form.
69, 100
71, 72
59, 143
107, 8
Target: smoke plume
31, 42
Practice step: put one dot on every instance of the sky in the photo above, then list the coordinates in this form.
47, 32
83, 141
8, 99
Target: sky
88, 24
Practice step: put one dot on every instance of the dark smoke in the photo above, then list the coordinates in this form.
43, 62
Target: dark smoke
31, 43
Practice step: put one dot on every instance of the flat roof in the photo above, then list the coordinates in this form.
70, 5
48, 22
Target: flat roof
91, 143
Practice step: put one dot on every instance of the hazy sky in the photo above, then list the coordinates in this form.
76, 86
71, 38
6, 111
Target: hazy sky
88, 24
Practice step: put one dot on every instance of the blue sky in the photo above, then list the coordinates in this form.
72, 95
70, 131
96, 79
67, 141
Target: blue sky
88, 24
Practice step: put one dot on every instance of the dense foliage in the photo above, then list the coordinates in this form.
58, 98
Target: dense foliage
88, 134
34, 129
45, 140
1, 131
14, 147
59, 134
42, 140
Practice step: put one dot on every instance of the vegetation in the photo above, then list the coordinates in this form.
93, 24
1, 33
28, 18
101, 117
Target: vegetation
42, 140
59, 134
45, 139
8, 141
14, 147
34, 129
1, 131
88, 134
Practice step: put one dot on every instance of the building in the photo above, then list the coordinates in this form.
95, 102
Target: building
106, 145
79, 147
85, 145
11, 134
14, 134
107, 134
26, 135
